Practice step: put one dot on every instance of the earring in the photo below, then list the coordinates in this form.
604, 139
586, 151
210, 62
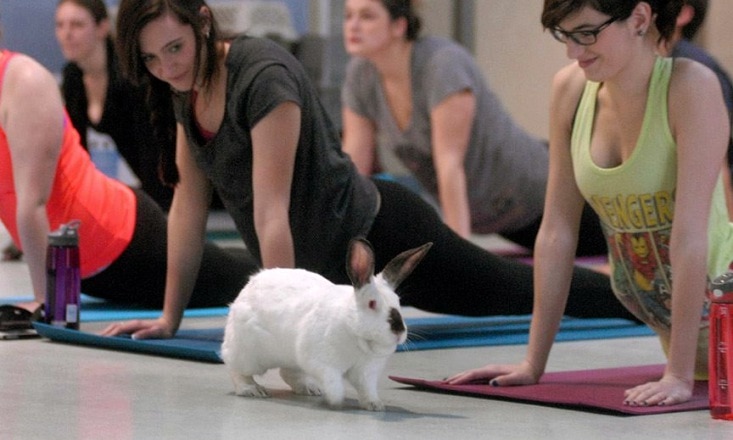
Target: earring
641, 32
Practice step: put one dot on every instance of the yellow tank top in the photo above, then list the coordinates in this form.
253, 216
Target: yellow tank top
635, 202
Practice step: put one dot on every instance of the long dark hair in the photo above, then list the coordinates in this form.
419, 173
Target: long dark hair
666, 11
132, 17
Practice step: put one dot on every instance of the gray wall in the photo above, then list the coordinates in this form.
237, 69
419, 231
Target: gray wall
517, 57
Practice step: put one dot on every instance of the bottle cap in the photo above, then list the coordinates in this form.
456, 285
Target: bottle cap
721, 288
66, 235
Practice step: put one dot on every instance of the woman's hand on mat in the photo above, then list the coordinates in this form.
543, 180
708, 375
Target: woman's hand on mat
139, 329
669, 390
497, 375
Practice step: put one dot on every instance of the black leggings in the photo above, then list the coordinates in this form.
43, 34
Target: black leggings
592, 240
138, 276
458, 277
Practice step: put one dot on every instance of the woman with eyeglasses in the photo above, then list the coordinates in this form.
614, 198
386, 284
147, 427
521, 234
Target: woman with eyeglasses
249, 124
425, 99
641, 138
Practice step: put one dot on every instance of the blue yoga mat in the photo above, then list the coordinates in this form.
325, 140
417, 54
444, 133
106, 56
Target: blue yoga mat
455, 331
95, 309
196, 345
424, 334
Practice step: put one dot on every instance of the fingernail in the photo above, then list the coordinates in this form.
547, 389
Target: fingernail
494, 383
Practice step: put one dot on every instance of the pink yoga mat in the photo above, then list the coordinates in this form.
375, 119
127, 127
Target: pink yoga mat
588, 390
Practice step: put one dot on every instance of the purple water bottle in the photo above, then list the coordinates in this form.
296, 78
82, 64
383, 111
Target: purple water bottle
720, 361
63, 278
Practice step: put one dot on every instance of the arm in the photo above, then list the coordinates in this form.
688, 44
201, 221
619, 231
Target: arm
275, 141
32, 117
558, 235
186, 232
359, 142
274, 144
186, 236
451, 122
555, 246
700, 128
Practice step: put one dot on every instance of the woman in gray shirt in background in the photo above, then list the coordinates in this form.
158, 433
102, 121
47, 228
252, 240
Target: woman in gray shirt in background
249, 124
426, 100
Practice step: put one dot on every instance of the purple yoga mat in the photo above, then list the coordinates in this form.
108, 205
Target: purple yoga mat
588, 390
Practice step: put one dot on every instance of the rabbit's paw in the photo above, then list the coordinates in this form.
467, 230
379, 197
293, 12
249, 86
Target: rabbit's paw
334, 404
372, 405
334, 401
300, 382
245, 385
254, 390
307, 389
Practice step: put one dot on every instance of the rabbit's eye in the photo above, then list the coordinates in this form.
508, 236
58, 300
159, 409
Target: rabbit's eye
373, 304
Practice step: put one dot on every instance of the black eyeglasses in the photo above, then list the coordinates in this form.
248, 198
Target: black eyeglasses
584, 37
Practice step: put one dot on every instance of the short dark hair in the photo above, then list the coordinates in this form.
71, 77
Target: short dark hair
97, 8
701, 9
555, 11
405, 9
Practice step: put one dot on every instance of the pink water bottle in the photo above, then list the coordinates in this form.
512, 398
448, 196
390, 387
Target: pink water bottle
720, 360
63, 278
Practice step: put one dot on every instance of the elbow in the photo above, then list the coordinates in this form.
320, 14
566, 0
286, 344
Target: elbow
363, 161
555, 241
26, 210
271, 223
363, 169
688, 250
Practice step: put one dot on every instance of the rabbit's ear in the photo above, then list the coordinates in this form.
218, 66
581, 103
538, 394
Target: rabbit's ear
403, 264
360, 262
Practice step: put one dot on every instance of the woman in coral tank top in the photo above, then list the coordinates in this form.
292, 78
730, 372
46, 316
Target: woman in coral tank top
47, 179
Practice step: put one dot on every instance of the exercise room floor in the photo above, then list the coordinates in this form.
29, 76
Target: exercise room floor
55, 391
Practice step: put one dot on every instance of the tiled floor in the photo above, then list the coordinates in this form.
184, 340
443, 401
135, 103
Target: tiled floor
55, 391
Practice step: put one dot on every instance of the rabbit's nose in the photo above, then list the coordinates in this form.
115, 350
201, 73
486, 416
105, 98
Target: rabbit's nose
395, 321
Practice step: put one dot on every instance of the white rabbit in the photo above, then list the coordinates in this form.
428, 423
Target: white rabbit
317, 332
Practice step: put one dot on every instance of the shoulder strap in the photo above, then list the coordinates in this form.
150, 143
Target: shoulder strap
5, 57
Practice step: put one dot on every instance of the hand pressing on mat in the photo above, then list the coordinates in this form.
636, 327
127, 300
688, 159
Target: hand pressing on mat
498, 375
141, 329
669, 390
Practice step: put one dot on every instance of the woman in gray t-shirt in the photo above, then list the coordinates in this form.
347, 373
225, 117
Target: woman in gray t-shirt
425, 100
249, 125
